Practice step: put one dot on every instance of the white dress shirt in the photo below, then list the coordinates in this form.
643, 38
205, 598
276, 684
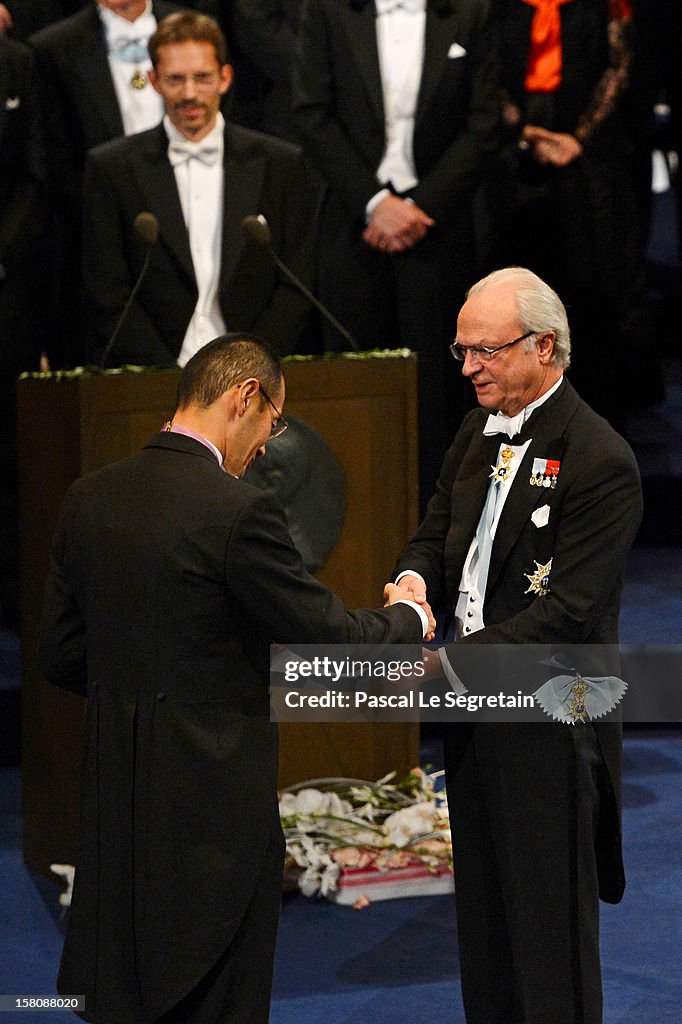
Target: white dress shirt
474, 574
140, 108
200, 187
400, 41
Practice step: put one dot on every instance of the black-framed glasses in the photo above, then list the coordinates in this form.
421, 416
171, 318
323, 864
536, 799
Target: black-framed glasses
280, 424
482, 352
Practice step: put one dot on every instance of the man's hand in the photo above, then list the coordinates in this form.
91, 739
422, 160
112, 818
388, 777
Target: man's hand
396, 225
413, 588
556, 148
6, 22
397, 592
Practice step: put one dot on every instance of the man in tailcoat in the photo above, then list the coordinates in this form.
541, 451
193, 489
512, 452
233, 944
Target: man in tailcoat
200, 177
535, 808
94, 87
267, 31
82, 107
397, 105
169, 579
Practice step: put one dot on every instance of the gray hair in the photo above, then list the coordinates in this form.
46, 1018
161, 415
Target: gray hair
539, 308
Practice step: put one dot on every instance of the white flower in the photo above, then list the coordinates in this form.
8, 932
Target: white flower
313, 802
321, 879
321, 872
412, 821
362, 823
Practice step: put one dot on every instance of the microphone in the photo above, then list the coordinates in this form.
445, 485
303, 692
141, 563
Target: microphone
258, 231
146, 230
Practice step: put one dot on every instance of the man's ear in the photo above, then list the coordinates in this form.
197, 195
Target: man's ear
247, 390
545, 345
153, 77
226, 78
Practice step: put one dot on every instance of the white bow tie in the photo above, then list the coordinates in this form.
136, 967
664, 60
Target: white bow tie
130, 51
180, 152
409, 6
501, 424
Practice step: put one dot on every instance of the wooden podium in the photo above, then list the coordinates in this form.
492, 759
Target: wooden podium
71, 425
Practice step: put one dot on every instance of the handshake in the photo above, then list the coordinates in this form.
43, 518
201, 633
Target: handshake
411, 588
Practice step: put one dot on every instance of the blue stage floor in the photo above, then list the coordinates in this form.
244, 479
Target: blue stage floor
396, 962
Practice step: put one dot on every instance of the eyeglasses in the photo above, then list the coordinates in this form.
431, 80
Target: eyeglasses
202, 80
481, 352
280, 424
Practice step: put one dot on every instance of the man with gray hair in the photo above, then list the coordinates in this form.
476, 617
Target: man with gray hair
530, 553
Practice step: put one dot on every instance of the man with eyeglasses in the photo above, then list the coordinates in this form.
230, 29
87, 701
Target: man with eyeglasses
170, 577
524, 542
199, 176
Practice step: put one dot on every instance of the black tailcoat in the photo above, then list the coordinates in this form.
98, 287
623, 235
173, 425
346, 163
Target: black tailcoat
168, 581
133, 174
527, 856
79, 98
409, 298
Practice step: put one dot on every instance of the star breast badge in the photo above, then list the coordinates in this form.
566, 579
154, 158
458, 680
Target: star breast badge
539, 580
501, 471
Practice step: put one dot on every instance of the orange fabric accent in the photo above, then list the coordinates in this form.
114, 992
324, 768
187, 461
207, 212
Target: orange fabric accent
620, 9
545, 56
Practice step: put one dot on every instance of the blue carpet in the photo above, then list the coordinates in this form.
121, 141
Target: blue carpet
397, 961
651, 608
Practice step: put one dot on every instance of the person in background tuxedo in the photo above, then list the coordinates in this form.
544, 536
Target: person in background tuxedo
561, 197
657, 78
93, 70
267, 31
200, 177
535, 808
22, 18
22, 223
397, 105
175, 576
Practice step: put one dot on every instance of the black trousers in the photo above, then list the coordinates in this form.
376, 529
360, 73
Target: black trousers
524, 809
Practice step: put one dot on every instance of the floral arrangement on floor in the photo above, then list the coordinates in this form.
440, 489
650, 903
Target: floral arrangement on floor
337, 826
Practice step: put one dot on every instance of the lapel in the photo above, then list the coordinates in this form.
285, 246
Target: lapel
4, 86
548, 442
156, 180
439, 34
243, 183
359, 23
92, 67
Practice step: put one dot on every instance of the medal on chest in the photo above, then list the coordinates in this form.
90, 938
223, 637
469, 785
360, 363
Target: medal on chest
539, 580
544, 473
500, 472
